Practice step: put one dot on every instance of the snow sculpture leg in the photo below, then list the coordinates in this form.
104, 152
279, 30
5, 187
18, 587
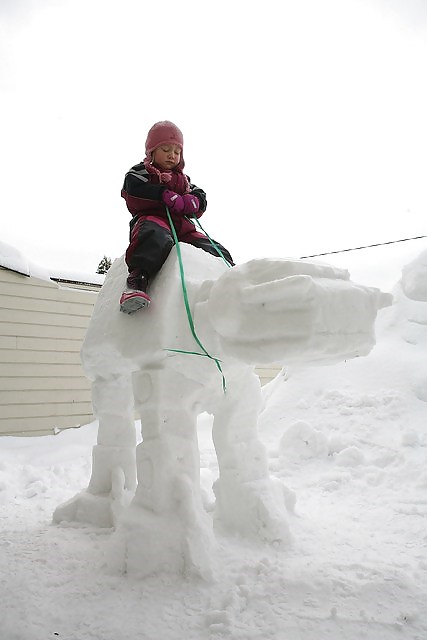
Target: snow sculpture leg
113, 477
248, 500
166, 527
113, 405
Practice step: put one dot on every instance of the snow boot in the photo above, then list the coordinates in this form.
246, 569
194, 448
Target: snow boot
135, 297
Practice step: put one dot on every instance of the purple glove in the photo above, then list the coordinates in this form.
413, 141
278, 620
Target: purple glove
191, 204
173, 201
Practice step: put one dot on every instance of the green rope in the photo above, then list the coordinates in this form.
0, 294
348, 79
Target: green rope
193, 353
188, 310
215, 246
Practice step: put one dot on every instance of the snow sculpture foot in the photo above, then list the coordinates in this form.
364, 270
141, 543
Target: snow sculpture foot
113, 478
254, 509
179, 540
262, 311
248, 501
100, 510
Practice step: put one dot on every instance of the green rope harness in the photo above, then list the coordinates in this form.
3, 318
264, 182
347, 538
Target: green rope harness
188, 310
215, 246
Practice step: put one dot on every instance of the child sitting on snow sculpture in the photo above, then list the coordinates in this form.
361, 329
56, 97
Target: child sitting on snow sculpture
149, 188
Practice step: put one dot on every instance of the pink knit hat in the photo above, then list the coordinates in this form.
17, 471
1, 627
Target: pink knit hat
164, 132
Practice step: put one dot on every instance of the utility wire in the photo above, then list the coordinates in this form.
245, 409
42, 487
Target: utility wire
368, 246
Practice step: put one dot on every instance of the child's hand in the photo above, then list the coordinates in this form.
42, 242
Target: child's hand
174, 202
191, 204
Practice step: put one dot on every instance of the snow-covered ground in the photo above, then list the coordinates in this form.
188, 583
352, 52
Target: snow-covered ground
349, 439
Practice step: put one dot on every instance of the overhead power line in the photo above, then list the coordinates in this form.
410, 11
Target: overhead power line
368, 246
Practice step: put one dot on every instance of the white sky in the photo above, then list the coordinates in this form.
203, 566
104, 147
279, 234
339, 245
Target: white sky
304, 122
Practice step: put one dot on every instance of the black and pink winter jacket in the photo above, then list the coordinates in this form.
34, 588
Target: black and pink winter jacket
142, 191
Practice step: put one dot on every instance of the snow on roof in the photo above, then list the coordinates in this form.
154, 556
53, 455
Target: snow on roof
14, 260
63, 275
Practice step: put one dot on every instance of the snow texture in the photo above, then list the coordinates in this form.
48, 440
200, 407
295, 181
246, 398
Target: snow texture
356, 565
287, 310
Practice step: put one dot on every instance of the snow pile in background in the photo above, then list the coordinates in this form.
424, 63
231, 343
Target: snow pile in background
414, 278
350, 439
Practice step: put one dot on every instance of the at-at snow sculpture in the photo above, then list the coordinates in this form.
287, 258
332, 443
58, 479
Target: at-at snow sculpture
262, 311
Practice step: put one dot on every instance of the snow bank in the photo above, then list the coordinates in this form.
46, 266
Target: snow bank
414, 278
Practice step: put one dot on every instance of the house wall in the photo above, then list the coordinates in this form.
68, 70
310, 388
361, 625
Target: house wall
42, 384
266, 372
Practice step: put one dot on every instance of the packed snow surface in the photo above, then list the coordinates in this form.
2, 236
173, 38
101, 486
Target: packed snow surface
350, 441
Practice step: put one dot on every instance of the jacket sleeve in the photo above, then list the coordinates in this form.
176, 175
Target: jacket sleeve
137, 184
201, 196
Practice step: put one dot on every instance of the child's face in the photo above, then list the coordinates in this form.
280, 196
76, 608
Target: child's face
167, 156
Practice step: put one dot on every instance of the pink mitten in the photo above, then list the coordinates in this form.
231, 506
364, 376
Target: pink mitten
173, 201
191, 204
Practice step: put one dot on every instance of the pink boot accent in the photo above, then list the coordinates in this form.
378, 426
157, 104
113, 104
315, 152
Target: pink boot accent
132, 300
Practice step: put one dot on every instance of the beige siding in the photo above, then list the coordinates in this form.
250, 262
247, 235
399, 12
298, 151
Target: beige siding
267, 372
42, 326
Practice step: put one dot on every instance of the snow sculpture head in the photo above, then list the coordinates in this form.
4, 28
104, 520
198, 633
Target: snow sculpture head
290, 310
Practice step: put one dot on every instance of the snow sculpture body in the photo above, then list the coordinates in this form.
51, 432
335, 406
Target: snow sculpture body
262, 311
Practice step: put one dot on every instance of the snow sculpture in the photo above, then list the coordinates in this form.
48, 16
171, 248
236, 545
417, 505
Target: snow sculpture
262, 311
